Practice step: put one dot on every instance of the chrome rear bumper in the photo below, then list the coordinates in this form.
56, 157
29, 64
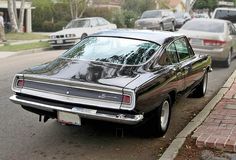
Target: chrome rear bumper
82, 112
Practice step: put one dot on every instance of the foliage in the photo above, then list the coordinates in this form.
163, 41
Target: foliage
43, 12
59, 25
202, 4
99, 12
49, 16
21, 47
138, 6
25, 36
48, 26
129, 18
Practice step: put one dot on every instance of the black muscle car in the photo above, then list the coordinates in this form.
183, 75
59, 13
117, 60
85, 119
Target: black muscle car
123, 76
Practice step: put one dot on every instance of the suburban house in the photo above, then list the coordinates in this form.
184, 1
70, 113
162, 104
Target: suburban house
27, 16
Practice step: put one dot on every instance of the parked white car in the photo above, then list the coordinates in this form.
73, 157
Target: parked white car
225, 14
78, 29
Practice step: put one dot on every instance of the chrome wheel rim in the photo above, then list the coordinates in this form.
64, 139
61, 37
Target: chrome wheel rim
162, 28
173, 27
165, 111
205, 84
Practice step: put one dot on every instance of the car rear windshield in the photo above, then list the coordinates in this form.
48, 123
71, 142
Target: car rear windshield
226, 15
112, 50
151, 14
204, 26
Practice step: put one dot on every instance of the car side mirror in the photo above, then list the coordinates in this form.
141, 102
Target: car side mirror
63, 28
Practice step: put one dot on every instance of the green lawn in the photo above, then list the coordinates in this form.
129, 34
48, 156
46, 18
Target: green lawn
21, 47
25, 36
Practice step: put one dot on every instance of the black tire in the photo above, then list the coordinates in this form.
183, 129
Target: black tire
200, 90
227, 62
157, 126
83, 36
56, 47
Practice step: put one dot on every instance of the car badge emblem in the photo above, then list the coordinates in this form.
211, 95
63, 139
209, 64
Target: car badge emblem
67, 92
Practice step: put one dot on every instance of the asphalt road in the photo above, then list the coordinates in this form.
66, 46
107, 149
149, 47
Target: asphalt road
23, 137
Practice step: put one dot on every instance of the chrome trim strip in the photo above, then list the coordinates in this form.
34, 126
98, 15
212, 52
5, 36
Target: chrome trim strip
84, 113
73, 99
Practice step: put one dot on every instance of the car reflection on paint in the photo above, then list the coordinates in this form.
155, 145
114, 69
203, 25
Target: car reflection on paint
130, 77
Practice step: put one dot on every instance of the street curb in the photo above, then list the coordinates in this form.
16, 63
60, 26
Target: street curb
172, 151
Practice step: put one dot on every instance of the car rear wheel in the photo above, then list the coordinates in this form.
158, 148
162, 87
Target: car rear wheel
201, 89
227, 62
158, 124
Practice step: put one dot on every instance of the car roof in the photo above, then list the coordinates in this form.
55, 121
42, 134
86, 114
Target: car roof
225, 8
87, 18
211, 19
148, 35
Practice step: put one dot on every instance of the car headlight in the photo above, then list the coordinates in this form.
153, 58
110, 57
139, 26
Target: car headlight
53, 37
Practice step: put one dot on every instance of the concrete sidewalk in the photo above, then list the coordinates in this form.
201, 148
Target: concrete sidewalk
219, 129
214, 126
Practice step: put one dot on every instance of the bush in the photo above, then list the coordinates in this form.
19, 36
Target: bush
48, 26
129, 18
59, 25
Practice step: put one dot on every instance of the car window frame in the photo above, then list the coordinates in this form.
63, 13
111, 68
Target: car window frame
94, 20
165, 52
189, 48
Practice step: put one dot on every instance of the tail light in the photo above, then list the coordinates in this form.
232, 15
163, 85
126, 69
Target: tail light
126, 99
20, 83
208, 42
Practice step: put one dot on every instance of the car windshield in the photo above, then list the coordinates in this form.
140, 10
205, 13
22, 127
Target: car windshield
197, 25
226, 15
179, 15
112, 50
78, 23
151, 14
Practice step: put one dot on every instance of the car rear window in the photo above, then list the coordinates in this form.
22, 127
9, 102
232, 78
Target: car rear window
204, 26
226, 15
113, 50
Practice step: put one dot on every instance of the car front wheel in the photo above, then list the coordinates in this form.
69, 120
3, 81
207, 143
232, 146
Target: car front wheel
83, 36
173, 26
161, 27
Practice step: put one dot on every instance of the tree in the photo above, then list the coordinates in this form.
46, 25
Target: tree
16, 21
202, 4
77, 7
138, 6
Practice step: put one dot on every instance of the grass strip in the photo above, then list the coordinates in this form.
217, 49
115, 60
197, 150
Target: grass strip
21, 47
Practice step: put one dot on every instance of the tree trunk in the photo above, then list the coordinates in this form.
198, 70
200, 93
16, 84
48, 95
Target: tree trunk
76, 6
21, 16
12, 17
15, 10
